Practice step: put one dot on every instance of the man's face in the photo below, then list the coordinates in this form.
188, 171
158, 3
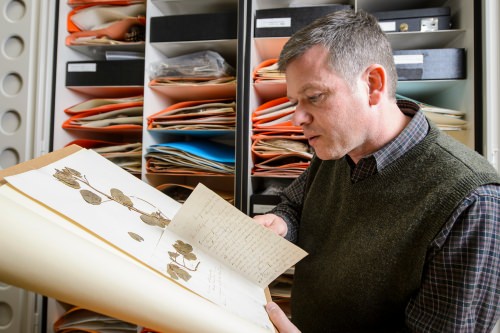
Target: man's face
335, 117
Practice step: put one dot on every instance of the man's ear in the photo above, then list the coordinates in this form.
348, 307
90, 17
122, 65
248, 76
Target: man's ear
377, 81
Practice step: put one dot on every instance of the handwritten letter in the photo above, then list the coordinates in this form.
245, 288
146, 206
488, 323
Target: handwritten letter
219, 228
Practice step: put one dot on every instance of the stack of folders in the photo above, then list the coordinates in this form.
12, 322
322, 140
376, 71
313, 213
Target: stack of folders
278, 147
287, 154
275, 116
77, 319
267, 71
445, 119
206, 117
102, 23
74, 3
196, 81
126, 155
197, 157
106, 115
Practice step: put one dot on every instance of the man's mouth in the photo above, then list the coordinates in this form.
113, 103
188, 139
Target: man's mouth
312, 139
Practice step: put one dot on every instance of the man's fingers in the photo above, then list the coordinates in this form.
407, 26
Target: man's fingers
276, 228
263, 220
279, 319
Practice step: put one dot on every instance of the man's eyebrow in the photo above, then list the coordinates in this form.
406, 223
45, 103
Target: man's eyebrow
305, 87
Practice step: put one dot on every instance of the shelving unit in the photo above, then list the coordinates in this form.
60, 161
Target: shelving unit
157, 98
66, 96
452, 94
245, 52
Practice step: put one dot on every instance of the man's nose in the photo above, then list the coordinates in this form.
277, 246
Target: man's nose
300, 116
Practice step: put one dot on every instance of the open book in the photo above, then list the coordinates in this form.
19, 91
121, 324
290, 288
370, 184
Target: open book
78, 228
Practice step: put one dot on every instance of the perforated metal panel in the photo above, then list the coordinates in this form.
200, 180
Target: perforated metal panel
19, 37
16, 81
26, 61
18, 310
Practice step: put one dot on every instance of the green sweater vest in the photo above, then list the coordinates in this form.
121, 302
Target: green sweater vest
367, 241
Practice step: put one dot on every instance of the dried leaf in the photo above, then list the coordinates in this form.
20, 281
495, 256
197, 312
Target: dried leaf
173, 255
121, 198
71, 183
91, 197
183, 248
173, 269
66, 179
162, 221
190, 256
148, 219
155, 220
72, 172
183, 274
135, 236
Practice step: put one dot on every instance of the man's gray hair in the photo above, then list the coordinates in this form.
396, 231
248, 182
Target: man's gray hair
354, 41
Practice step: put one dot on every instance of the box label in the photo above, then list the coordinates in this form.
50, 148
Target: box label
408, 59
279, 22
387, 26
87, 67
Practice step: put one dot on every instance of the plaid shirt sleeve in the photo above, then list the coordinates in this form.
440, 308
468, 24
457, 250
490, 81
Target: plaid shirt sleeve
290, 208
460, 290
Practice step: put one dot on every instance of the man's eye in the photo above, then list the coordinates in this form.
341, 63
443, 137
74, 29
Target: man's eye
315, 98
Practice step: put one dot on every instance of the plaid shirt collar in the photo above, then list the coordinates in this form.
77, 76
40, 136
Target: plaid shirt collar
414, 132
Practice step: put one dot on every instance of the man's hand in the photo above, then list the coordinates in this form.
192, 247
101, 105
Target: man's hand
279, 319
272, 222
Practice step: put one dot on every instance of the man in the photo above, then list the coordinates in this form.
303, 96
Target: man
401, 222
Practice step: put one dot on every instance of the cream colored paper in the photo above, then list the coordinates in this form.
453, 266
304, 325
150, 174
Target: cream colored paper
44, 253
108, 219
247, 256
234, 238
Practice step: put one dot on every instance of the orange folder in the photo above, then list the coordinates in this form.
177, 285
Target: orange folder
98, 105
127, 120
274, 115
209, 114
267, 71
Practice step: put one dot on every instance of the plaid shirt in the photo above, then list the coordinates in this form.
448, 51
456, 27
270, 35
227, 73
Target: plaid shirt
460, 290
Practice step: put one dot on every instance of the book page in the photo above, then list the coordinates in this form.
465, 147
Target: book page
116, 211
103, 198
197, 270
49, 255
234, 238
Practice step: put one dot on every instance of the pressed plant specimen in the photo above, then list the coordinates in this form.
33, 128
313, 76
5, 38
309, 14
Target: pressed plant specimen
94, 196
179, 269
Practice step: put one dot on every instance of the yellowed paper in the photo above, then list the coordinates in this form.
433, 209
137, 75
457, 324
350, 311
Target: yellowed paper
234, 238
44, 253
210, 247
